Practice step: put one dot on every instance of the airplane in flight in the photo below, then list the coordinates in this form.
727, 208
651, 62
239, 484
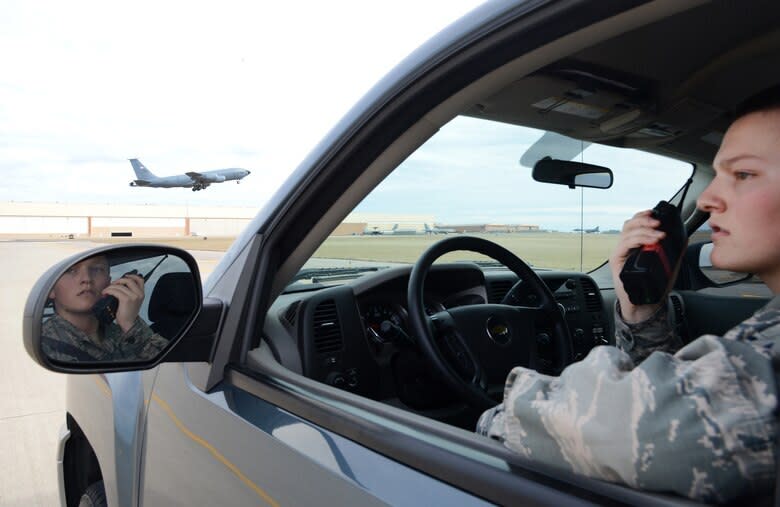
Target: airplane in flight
588, 231
195, 180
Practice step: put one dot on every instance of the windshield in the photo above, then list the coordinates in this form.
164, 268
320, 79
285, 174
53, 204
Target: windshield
474, 177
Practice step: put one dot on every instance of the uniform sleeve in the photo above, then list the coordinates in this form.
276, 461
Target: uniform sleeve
140, 342
50, 343
641, 339
62, 344
699, 423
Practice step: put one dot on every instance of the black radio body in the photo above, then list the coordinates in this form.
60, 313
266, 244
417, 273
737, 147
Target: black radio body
648, 270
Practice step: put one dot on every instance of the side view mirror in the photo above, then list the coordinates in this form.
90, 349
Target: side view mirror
717, 277
114, 308
572, 174
701, 274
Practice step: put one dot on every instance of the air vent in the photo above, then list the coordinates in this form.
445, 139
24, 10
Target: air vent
498, 289
327, 331
291, 314
678, 308
591, 294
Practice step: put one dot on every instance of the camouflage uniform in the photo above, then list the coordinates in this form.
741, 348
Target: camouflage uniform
700, 422
63, 341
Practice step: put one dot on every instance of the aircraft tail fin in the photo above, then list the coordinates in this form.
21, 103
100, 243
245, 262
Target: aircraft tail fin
141, 171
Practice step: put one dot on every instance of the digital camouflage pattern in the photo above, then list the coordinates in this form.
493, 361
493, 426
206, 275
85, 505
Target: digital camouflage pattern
63, 341
699, 422
643, 338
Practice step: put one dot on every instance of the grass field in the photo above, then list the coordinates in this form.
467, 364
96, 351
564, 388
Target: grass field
542, 249
547, 250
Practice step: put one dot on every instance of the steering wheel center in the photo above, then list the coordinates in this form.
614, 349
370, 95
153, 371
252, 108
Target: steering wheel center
498, 330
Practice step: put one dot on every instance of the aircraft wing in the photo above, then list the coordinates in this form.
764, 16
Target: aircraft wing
199, 179
196, 177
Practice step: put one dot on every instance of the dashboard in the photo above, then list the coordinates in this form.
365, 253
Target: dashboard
356, 336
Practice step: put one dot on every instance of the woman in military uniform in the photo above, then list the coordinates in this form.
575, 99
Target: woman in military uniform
74, 333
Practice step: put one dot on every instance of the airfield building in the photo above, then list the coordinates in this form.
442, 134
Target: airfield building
70, 220
65, 220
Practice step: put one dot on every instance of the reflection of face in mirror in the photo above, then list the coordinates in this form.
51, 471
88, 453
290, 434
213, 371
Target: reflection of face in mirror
96, 318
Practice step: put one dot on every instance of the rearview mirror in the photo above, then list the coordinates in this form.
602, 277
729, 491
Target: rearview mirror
112, 309
572, 174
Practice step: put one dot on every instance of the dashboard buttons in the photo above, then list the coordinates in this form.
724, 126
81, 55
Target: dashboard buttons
330, 362
352, 377
345, 380
336, 379
543, 340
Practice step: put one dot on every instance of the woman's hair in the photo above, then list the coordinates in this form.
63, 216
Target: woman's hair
766, 100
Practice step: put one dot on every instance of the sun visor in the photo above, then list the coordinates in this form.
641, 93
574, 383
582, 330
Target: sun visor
564, 106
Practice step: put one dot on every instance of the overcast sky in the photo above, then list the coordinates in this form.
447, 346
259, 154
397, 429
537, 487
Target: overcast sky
186, 86
470, 172
194, 86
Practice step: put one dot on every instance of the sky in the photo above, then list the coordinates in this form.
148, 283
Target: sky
196, 86
470, 172
186, 86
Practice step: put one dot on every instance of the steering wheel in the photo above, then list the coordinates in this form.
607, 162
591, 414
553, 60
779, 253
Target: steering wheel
473, 346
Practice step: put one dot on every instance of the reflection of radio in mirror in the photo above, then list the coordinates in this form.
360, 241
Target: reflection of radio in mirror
105, 309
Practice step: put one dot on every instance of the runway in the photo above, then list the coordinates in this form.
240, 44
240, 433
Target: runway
32, 400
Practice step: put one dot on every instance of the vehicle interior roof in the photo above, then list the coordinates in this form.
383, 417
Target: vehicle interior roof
667, 87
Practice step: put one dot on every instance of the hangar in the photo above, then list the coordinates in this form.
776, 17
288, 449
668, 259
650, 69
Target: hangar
71, 220
81, 220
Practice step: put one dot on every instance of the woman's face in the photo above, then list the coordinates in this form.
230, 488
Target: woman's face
744, 198
79, 288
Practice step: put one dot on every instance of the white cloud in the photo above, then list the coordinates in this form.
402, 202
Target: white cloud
469, 172
196, 86
187, 85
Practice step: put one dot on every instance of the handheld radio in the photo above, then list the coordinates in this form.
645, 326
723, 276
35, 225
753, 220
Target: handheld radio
105, 309
648, 269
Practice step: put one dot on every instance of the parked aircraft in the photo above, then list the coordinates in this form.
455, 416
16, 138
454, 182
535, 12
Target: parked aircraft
195, 180
374, 231
588, 231
403, 232
438, 230
395, 231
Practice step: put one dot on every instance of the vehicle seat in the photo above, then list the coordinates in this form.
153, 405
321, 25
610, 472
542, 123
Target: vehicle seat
171, 303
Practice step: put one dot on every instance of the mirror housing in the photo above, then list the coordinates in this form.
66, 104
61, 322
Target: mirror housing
572, 174
173, 282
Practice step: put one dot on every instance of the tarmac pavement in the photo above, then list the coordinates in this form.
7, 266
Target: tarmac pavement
32, 400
